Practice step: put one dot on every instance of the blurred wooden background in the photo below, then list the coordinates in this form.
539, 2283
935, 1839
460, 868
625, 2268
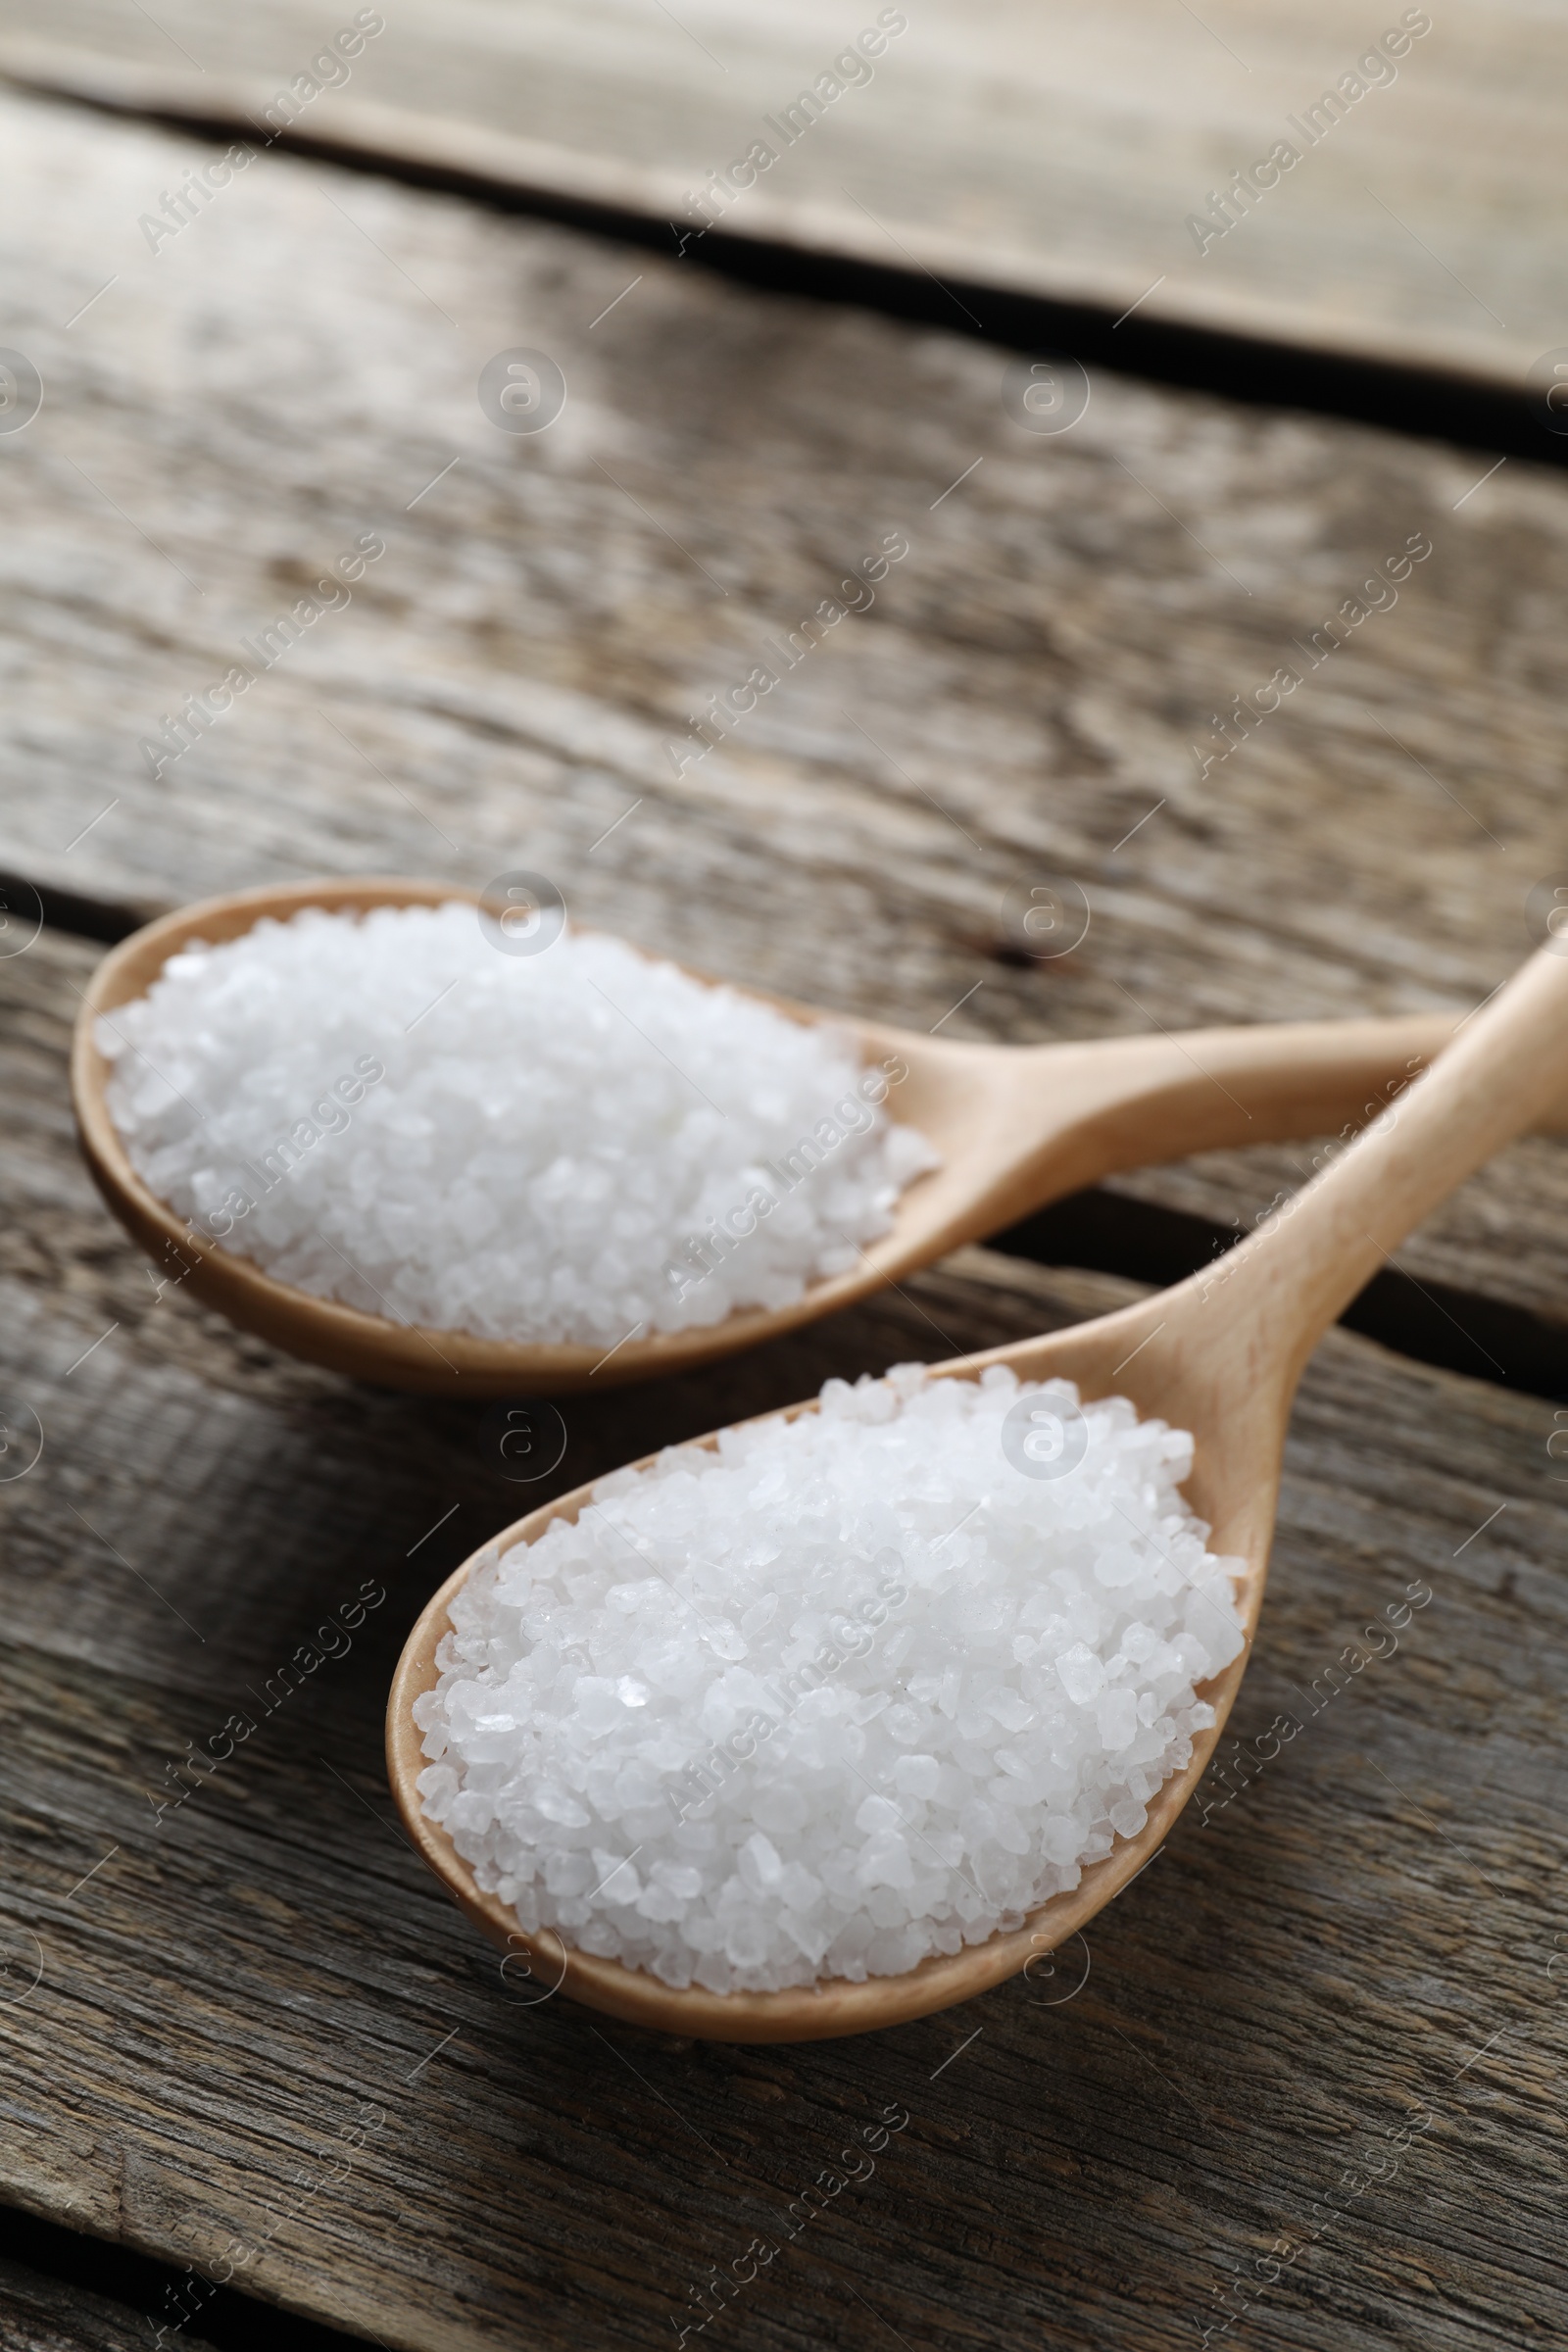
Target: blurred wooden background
1032, 144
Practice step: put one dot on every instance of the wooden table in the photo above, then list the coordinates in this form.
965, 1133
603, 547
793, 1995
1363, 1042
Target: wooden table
1310, 2083
1031, 147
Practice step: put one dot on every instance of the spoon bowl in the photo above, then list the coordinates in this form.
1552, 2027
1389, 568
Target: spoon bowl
1219, 1354
1017, 1126
834, 2007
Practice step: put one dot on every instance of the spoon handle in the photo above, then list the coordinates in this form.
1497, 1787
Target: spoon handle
1170, 1095
1292, 1278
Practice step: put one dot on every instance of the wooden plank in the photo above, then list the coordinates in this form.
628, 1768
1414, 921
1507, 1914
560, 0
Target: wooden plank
1021, 701
1069, 640
1472, 1245
1052, 150
39, 2314
1353, 1944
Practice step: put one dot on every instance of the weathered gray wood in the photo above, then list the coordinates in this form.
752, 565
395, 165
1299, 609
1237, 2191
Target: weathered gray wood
503, 687
220, 1994
1472, 1245
1043, 147
1042, 662
39, 2314
1368, 1923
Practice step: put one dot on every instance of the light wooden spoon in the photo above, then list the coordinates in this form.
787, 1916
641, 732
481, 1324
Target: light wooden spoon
1219, 1354
1017, 1126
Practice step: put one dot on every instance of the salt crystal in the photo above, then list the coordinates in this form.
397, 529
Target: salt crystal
1116, 1713
816, 1739
916, 1775
1081, 1673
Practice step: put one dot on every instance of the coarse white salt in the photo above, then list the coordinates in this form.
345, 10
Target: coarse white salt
386, 1110
847, 1690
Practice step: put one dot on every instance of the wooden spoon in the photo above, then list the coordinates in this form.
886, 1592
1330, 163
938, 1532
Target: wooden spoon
1017, 1126
1219, 1354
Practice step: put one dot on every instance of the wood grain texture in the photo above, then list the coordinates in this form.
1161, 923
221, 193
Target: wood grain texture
1358, 1941
1471, 1246
1021, 701
1056, 150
